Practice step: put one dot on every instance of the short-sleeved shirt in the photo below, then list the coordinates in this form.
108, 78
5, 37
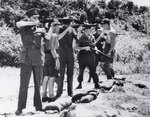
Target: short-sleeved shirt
66, 46
32, 50
67, 40
85, 41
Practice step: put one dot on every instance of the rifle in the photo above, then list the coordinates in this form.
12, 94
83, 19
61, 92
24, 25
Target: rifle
68, 21
100, 52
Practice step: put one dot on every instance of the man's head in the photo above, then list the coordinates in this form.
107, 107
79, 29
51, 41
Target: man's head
56, 25
32, 14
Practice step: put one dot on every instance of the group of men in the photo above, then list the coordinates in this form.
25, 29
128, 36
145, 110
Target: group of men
54, 50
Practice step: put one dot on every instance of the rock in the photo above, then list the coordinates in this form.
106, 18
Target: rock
77, 97
107, 85
117, 89
119, 83
85, 97
121, 78
140, 85
128, 114
59, 105
128, 106
112, 112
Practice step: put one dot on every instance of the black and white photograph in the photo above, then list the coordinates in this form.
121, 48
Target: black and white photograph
75, 58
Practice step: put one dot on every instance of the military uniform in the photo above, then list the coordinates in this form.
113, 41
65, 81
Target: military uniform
87, 59
31, 59
99, 46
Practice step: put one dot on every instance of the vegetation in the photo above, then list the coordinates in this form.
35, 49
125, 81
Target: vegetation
131, 21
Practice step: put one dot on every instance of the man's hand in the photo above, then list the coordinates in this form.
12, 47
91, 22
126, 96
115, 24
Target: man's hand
37, 23
57, 64
70, 29
40, 30
87, 48
80, 29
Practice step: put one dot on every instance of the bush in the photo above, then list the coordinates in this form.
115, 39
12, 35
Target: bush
133, 54
9, 47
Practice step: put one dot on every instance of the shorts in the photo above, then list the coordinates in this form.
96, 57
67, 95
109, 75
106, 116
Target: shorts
49, 66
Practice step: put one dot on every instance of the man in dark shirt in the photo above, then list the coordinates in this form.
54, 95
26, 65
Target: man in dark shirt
99, 42
86, 57
66, 58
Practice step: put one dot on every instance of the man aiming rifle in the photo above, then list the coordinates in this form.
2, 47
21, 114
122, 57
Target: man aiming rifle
86, 56
110, 41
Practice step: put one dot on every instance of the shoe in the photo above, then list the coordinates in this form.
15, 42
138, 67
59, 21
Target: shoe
79, 86
39, 109
97, 86
51, 100
18, 112
70, 94
45, 99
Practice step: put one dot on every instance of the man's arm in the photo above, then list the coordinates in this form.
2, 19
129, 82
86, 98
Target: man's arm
87, 48
113, 41
54, 45
48, 36
27, 23
61, 35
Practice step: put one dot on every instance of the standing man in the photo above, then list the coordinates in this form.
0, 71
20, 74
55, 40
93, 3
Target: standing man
31, 59
99, 43
66, 57
110, 41
52, 63
86, 56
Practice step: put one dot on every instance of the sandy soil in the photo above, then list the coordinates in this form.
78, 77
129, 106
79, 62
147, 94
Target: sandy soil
126, 101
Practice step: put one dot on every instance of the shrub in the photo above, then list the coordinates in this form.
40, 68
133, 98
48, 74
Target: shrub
9, 47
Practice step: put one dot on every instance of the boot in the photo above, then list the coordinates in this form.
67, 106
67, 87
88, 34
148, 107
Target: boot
18, 112
97, 86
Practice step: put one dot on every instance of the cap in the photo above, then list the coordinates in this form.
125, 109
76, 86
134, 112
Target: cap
32, 12
43, 14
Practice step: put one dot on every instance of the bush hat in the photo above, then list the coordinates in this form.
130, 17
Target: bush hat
32, 12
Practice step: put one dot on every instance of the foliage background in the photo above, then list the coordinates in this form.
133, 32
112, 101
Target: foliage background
130, 21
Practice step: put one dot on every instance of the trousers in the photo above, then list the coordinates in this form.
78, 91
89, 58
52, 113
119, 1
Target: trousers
66, 62
25, 74
87, 60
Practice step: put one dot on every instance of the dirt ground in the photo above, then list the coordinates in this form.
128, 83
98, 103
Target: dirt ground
127, 101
